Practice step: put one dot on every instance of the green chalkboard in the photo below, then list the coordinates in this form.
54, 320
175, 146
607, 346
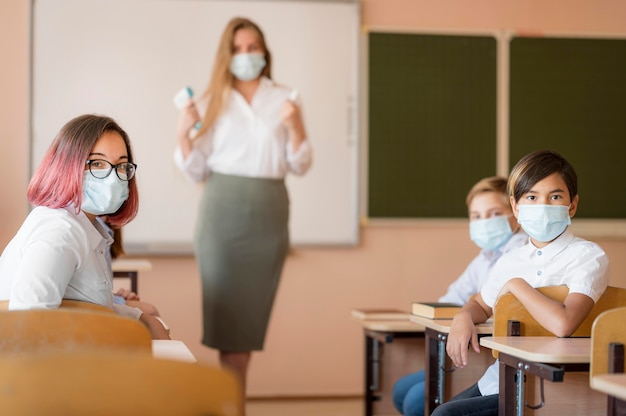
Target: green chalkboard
569, 95
432, 122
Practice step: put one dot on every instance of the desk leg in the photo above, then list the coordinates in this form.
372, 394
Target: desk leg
372, 363
133, 282
441, 363
615, 406
132, 275
434, 381
506, 398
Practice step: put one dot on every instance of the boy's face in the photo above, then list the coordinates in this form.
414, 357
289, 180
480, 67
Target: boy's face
488, 205
551, 190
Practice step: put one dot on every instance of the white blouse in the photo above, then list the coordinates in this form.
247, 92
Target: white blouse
247, 140
57, 254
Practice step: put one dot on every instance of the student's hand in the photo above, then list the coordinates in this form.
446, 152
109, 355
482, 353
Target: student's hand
187, 119
127, 294
462, 333
156, 328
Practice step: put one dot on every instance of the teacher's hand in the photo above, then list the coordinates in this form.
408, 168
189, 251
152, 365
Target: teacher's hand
187, 119
290, 115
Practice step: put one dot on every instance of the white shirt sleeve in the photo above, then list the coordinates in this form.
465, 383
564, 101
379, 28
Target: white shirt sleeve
47, 267
194, 167
299, 162
127, 311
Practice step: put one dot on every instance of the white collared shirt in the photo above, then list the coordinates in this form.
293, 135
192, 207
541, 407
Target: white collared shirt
247, 140
57, 254
476, 273
579, 264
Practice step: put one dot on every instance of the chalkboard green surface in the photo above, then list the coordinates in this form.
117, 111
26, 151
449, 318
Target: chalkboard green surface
569, 95
432, 122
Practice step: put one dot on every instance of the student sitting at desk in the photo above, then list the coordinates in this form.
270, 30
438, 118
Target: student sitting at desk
543, 192
494, 229
59, 251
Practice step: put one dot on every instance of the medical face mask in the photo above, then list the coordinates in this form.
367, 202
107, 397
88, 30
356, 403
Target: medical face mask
492, 233
247, 66
544, 223
103, 196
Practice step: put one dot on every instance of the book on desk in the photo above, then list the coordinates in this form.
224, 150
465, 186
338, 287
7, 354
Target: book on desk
380, 314
435, 310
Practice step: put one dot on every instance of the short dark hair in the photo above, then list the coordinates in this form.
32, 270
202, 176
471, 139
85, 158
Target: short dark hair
536, 166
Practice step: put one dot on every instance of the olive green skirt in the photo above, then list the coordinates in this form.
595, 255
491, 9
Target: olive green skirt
241, 242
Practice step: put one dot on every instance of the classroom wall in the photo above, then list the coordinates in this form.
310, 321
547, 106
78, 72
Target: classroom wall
313, 347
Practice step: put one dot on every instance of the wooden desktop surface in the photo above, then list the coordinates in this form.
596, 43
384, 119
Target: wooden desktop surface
129, 268
124, 265
542, 349
611, 384
172, 350
392, 326
443, 325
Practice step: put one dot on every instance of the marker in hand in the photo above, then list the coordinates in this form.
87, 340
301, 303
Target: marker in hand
293, 96
182, 99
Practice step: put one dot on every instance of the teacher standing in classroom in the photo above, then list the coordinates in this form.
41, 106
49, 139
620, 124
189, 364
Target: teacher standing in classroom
252, 136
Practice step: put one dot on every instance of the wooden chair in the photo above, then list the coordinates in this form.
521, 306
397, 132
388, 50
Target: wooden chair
69, 329
607, 351
508, 307
115, 384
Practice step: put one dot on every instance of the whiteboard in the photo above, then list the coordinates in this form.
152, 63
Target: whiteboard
127, 58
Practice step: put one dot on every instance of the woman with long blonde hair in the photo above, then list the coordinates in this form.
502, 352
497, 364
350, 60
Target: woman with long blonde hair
252, 136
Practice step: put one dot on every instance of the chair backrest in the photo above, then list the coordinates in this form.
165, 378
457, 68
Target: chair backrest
607, 328
115, 384
66, 303
508, 307
69, 329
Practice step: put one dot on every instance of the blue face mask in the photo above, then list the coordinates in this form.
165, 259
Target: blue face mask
492, 233
544, 223
247, 66
103, 196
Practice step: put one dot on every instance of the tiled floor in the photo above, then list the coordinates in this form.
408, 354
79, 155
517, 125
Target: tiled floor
305, 407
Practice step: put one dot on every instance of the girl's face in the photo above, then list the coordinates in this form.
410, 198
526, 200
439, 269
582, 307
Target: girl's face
246, 41
488, 205
111, 148
551, 190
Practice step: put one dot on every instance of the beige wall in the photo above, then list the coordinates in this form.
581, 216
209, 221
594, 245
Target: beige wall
313, 347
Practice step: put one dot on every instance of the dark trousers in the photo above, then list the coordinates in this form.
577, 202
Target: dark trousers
469, 403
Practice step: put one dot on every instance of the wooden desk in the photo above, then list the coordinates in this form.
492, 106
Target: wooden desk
172, 350
545, 357
437, 389
611, 384
378, 382
130, 268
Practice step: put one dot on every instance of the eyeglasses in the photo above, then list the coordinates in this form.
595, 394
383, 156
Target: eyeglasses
100, 168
